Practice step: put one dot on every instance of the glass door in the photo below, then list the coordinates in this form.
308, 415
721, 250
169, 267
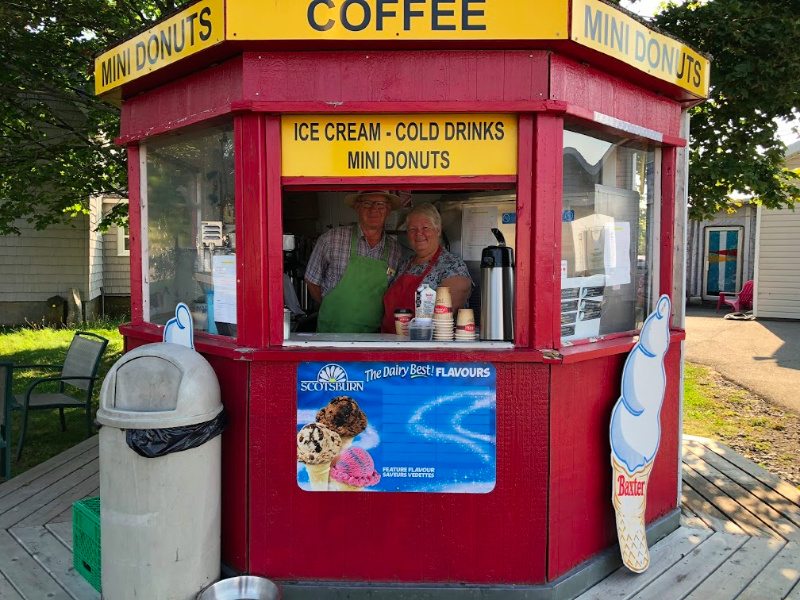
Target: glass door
722, 264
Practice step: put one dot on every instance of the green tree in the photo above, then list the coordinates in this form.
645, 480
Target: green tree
754, 80
56, 136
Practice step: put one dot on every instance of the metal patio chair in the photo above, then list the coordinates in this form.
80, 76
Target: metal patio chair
79, 371
6, 399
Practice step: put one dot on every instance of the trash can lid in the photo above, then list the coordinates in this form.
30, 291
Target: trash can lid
158, 386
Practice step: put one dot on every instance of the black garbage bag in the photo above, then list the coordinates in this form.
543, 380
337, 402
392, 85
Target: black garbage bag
152, 443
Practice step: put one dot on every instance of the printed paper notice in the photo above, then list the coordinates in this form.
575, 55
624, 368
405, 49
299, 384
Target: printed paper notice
224, 275
476, 230
618, 254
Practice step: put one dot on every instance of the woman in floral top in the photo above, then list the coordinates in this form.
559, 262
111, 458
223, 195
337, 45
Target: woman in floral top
430, 264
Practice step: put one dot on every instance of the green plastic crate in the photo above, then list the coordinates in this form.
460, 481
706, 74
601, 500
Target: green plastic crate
86, 539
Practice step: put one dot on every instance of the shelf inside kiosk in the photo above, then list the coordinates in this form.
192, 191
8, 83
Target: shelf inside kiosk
325, 221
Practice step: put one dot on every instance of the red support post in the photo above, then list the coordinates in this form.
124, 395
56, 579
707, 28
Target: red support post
668, 162
251, 232
546, 231
135, 233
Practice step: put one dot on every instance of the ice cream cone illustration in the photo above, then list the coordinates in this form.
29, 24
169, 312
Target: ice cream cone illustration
317, 446
630, 494
353, 471
343, 416
635, 434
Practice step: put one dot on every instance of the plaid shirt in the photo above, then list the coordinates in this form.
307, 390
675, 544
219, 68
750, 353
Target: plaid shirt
329, 259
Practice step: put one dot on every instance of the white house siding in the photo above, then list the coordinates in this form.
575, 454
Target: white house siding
116, 268
777, 290
39, 264
95, 249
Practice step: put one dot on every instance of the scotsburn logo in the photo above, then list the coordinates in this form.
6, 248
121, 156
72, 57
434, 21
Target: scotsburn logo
332, 378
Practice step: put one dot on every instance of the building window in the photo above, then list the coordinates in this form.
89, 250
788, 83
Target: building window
609, 223
123, 242
188, 241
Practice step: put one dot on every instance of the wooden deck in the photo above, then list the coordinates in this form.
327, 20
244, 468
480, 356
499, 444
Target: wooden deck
740, 536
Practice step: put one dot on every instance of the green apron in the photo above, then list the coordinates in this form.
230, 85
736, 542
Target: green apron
355, 304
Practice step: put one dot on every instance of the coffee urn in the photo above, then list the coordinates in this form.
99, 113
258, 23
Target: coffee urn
497, 291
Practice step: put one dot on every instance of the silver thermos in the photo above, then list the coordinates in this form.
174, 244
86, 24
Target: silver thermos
497, 291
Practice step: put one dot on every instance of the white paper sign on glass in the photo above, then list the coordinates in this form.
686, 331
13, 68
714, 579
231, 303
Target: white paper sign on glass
636, 434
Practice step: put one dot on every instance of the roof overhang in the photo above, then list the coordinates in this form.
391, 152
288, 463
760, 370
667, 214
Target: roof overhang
591, 29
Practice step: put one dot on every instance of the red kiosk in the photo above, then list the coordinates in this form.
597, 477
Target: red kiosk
562, 123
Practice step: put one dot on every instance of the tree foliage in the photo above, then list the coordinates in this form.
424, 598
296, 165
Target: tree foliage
56, 136
754, 80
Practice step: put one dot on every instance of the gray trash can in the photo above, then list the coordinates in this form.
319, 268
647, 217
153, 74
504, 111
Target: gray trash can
160, 516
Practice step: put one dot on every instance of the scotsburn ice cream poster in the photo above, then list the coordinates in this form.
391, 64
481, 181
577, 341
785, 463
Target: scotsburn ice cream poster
396, 427
636, 433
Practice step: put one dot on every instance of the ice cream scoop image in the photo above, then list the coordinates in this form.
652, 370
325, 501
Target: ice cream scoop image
354, 470
635, 425
343, 416
317, 446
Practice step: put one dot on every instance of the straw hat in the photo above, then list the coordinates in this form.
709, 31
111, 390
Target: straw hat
395, 200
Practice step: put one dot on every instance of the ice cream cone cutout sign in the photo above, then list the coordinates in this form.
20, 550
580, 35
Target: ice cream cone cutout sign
636, 433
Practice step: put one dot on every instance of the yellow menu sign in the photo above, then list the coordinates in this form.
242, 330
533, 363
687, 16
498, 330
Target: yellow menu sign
183, 34
599, 26
397, 20
398, 145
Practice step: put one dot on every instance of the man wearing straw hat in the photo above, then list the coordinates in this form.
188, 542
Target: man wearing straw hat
351, 267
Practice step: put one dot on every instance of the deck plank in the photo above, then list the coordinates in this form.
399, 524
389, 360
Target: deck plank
17, 513
65, 516
763, 492
6, 591
55, 559
25, 574
709, 513
778, 578
40, 484
734, 511
772, 518
88, 447
690, 571
622, 583
785, 489
736, 573
62, 532
63, 503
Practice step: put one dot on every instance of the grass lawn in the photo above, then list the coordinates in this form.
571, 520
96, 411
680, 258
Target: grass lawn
49, 346
721, 410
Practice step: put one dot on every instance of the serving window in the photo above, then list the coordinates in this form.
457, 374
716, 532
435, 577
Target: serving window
609, 219
189, 229
467, 220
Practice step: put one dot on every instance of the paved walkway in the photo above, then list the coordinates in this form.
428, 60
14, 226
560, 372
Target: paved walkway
762, 356
739, 538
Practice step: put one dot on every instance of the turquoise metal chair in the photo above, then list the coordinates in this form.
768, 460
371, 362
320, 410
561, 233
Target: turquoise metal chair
79, 371
6, 399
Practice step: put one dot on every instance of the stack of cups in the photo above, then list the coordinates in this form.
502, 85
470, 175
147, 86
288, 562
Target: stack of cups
465, 325
443, 316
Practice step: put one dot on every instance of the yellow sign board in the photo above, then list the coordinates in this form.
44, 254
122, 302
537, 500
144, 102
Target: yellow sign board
398, 145
183, 34
397, 20
599, 26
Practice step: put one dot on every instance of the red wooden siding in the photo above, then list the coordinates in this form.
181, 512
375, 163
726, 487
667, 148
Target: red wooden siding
581, 519
498, 537
185, 101
590, 89
404, 76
